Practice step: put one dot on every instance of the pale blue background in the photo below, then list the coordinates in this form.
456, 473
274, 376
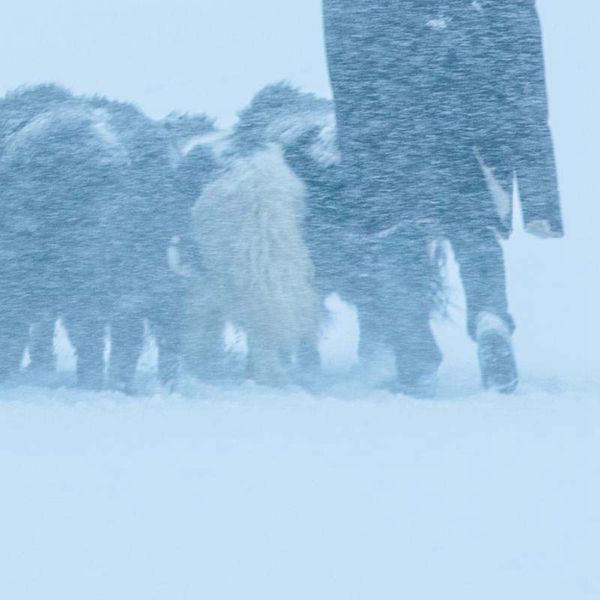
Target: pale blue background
200, 55
244, 494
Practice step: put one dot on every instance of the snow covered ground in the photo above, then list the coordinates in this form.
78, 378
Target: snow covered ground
248, 493
242, 493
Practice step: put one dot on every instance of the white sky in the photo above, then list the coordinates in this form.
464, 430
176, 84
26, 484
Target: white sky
197, 55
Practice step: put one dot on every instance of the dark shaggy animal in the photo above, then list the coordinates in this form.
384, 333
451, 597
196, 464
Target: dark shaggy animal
342, 253
253, 265
88, 212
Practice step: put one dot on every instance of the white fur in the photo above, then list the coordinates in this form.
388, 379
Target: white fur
248, 226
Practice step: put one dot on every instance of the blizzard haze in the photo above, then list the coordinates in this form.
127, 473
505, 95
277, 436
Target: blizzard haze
246, 493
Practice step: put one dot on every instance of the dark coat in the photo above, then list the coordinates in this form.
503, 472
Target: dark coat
429, 92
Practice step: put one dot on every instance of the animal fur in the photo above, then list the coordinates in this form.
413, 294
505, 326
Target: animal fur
256, 265
273, 231
88, 206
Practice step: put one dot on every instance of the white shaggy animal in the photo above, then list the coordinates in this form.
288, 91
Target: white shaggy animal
256, 269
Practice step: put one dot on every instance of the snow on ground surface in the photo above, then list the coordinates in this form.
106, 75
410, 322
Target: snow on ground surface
245, 493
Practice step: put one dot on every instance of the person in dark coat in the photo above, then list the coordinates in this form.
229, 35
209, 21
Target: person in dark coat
440, 106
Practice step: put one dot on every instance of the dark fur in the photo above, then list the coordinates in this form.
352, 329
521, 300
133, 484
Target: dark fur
88, 204
347, 260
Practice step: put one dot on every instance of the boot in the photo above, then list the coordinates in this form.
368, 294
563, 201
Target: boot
496, 357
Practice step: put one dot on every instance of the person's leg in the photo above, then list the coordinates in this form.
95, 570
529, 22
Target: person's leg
481, 262
366, 289
480, 258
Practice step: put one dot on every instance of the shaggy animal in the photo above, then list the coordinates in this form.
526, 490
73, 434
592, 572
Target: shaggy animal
88, 205
275, 229
263, 226
256, 267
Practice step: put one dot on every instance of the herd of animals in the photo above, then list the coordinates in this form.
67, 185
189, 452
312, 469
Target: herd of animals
112, 220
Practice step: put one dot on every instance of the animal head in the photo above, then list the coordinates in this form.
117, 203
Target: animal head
280, 113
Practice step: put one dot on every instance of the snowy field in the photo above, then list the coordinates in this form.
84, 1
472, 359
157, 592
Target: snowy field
244, 493
250, 494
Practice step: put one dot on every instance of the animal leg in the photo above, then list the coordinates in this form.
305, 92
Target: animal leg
41, 346
127, 340
86, 333
202, 336
13, 338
